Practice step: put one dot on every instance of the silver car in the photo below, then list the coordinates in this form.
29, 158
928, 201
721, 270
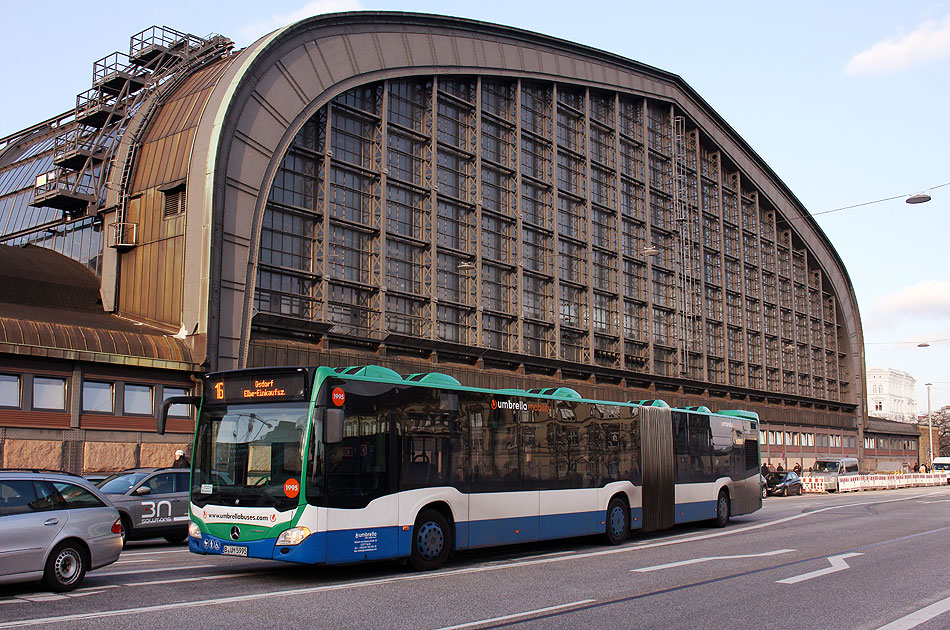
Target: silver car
54, 527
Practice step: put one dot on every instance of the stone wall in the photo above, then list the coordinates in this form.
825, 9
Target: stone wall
88, 451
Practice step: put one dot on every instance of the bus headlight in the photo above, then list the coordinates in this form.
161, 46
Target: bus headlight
293, 536
193, 530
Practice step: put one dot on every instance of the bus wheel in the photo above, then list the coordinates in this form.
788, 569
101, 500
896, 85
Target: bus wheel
722, 510
618, 522
431, 541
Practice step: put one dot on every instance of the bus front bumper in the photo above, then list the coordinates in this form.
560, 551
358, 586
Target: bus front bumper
311, 550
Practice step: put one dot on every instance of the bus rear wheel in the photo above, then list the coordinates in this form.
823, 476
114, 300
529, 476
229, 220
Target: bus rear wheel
431, 541
618, 522
722, 510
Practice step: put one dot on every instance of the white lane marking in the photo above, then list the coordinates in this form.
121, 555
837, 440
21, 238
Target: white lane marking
683, 563
527, 613
223, 576
134, 561
48, 597
918, 617
137, 571
837, 564
434, 575
940, 501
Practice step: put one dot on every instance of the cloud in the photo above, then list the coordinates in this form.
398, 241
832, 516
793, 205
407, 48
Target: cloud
913, 305
929, 42
252, 32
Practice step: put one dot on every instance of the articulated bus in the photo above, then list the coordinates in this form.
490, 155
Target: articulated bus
332, 466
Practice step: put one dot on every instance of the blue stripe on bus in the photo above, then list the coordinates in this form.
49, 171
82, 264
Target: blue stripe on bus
698, 511
380, 543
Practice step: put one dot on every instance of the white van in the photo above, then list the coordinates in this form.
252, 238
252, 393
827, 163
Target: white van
942, 464
830, 468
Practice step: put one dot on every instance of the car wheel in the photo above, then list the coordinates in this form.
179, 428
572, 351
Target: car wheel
125, 527
765, 491
65, 567
431, 541
799, 493
618, 522
722, 510
785, 491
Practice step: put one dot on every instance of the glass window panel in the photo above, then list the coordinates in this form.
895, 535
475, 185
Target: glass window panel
49, 393
9, 390
177, 411
138, 399
97, 396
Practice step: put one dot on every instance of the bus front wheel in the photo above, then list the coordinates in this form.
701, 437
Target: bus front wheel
431, 541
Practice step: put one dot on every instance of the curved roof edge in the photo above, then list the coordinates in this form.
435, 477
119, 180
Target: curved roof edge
469, 25
254, 74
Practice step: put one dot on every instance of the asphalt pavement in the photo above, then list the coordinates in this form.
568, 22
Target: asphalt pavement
849, 561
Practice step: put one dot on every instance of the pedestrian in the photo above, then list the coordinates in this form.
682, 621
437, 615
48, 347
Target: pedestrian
916, 466
765, 468
780, 468
798, 469
180, 460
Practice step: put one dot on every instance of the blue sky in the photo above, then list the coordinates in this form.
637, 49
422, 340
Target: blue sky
846, 101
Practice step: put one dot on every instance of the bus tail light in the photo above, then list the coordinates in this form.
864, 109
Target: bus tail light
293, 536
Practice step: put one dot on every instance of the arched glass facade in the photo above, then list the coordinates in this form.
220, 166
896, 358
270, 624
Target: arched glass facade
549, 221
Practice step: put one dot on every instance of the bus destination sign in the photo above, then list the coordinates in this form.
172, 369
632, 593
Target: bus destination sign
257, 387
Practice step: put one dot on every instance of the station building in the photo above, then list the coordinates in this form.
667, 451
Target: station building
419, 192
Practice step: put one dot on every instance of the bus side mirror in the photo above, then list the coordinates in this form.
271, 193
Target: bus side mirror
195, 401
333, 426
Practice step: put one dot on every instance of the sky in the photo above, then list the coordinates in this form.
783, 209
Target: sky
846, 101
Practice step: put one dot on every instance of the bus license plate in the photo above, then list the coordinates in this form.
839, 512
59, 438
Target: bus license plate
233, 550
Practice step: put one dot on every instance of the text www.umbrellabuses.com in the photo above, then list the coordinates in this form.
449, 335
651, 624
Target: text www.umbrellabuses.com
241, 517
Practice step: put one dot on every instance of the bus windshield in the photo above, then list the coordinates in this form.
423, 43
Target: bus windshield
245, 455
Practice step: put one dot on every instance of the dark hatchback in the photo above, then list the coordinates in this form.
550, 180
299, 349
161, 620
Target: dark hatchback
151, 502
783, 483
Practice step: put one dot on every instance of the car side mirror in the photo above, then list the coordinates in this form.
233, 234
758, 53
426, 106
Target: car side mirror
141, 490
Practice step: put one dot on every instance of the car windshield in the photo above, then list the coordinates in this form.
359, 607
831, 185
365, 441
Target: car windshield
121, 482
941, 466
775, 477
825, 466
250, 455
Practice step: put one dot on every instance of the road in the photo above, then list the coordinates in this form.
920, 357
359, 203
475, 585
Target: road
843, 561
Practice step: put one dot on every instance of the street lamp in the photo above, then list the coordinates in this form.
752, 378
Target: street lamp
921, 197
931, 423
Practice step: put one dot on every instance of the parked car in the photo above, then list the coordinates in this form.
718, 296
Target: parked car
95, 478
783, 483
54, 527
152, 502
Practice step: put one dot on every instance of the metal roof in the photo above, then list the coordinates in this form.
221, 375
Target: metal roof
49, 307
